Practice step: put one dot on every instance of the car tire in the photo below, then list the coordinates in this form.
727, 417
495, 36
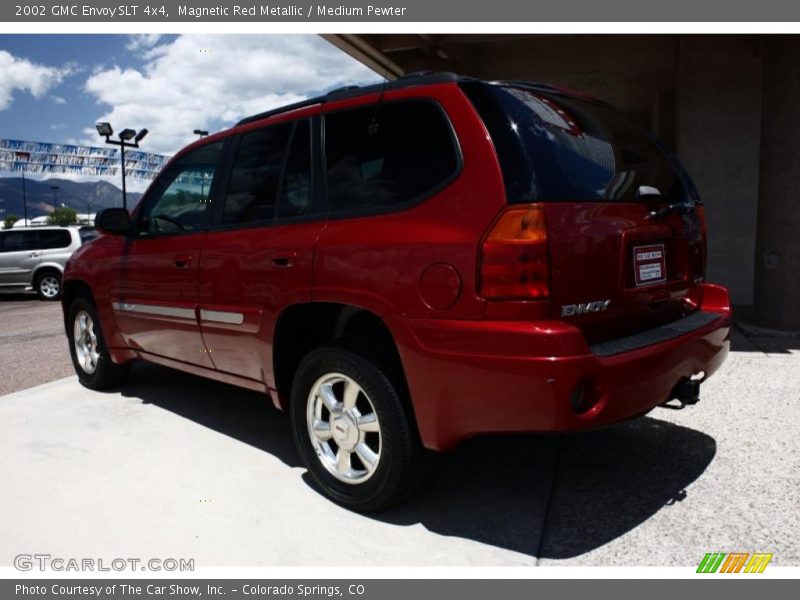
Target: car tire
359, 443
88, 350
48, 285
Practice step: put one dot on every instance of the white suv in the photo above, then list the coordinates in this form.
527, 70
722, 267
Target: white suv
36, 256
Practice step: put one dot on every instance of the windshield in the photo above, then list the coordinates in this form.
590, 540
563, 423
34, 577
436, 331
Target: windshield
553, 147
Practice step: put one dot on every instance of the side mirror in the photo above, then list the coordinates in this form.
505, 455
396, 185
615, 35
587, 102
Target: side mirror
115, 221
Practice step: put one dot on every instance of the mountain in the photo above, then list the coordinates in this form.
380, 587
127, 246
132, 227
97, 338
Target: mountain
78, 195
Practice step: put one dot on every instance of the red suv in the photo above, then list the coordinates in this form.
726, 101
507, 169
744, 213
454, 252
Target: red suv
407, 265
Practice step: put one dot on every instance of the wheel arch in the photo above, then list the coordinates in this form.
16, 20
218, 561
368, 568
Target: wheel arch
71, 289
302, 327
43, 267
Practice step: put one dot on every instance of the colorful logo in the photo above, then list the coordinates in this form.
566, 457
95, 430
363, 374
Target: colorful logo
734, 562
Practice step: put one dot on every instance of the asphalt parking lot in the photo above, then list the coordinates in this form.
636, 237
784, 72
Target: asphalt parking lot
33, 347
173, 465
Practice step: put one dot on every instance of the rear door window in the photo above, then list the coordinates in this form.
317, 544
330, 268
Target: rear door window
256, 175
554, 147
54, 238
271, 175
387, 154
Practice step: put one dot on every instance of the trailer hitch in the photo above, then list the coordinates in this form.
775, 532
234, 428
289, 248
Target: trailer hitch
686, 392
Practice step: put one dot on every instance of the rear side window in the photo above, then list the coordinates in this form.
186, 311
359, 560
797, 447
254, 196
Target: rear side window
54, 238
553, 147
271, 175
387, 154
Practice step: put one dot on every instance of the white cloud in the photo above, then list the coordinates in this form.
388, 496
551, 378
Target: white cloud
22, 74
208, 82
58, 100
142, 42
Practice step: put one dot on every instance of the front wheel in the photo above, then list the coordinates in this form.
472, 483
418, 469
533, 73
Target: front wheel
353, 430
88, 350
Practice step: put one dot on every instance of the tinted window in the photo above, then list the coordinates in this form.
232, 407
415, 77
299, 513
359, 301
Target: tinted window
54, 238
553, 147
386, 154
295, 194
179, 200
256, 175
17, 241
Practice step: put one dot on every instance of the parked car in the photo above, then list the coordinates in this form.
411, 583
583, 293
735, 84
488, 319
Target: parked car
405, 266
36, 257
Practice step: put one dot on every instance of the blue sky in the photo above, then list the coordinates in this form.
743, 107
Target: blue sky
45, 118
54, 88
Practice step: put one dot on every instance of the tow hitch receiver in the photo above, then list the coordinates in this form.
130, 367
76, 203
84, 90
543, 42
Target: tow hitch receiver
686, 393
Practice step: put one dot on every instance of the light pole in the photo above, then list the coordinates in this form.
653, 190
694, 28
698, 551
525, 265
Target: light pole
201, 132
105, 130
55, 189
24, 156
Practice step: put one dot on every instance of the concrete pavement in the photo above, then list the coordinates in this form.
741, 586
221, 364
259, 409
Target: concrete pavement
176, 466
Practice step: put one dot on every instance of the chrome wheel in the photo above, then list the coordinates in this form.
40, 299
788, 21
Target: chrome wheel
49, 286
85, 341
343, 428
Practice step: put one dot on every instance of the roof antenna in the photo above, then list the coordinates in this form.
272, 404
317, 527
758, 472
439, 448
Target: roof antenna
374, 125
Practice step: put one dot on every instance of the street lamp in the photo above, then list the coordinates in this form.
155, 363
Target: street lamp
201, 132
125, 137
55, 189
24, 158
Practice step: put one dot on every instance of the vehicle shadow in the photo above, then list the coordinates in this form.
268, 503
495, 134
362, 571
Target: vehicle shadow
542, 496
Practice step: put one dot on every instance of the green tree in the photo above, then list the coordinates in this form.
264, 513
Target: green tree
63, 216
9, 221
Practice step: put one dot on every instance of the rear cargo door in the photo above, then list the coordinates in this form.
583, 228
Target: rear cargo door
625, 235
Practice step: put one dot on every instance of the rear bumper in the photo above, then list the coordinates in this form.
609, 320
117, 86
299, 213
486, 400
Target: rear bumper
474, 377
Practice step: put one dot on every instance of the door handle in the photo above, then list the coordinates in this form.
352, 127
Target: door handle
183, 261
33, 254
283, 260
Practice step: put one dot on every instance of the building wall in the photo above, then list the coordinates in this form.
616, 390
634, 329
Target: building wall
627, 71
778, 250
719, 141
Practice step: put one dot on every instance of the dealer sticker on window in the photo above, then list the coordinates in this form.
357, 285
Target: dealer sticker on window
649, 264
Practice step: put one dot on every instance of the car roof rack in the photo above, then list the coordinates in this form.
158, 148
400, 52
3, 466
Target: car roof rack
409, 80
353, 91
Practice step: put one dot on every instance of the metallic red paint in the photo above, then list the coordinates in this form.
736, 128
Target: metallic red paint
472, 366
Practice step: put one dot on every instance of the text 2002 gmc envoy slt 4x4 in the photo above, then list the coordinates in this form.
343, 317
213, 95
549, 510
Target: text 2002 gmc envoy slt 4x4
407, 265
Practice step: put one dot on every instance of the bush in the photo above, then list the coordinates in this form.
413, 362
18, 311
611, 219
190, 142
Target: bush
9, 221
63, 216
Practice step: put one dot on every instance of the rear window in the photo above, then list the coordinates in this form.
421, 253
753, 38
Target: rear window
387, 154
553, 147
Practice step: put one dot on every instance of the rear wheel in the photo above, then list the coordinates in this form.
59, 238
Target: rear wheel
353, 431
48, 285
88, 350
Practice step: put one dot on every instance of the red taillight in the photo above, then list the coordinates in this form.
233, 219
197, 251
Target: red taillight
514, 259
700, 210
